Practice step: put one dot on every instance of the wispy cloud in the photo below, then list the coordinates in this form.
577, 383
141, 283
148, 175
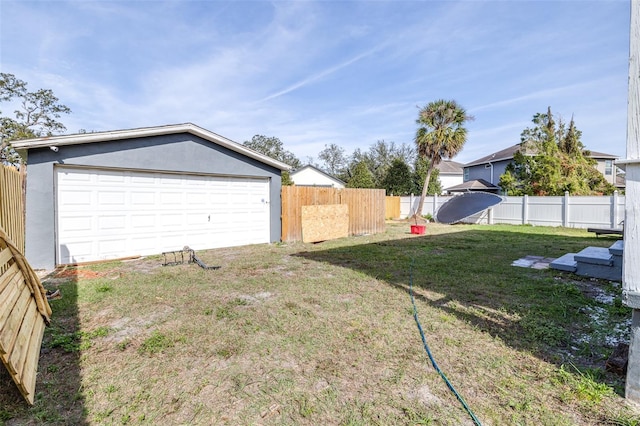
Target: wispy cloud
318, 76
314, 72
544, 94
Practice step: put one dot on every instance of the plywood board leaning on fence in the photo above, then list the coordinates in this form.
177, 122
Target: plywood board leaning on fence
326, 222
24, 310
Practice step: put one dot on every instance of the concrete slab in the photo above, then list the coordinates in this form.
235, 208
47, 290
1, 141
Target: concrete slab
523, 263
540, 265
592, 270
565, 263
616, 248
594, 256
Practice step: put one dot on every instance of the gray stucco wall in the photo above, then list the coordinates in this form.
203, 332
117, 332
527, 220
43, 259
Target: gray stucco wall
183, 153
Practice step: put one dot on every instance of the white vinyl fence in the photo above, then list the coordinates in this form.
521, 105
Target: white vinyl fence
568, 211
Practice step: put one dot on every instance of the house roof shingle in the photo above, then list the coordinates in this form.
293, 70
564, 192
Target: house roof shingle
507, 154
450, 167
473, 185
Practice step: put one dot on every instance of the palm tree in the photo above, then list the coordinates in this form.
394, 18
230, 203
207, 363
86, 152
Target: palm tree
440, 136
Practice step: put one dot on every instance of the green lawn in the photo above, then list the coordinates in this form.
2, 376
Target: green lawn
324, 334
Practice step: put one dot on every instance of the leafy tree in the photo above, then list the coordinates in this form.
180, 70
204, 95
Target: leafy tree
362, 177
553, 161
37, 115
398, 179
333, 159
419, 176
274, 148
406, 152
378, 159
441, 135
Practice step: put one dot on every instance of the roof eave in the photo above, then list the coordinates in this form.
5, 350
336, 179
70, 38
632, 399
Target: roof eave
83, 138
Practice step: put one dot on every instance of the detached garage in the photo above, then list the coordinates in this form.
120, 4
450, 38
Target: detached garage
110, 195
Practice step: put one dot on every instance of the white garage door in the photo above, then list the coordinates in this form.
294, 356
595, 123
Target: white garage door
109, 214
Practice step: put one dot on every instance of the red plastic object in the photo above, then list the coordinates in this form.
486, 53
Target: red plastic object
418, 229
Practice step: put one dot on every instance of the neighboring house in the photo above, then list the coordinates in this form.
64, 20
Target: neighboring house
312, 176
450, 174
491, 167
605, 165
109, 195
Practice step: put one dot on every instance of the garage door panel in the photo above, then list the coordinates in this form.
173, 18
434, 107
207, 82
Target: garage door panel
73, 252
77, 176
111, 198
77, 198
197, 219
139, 198
142, 244
75, 223
111, 249
113, 223
105, 214
141, 221
110, 177
196, 199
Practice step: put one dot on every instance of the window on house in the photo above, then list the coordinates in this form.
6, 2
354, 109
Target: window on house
608, 167
466, 174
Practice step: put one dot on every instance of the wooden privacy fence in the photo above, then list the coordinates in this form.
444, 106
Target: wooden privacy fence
24, 311
392, 207
12, 205
366, 208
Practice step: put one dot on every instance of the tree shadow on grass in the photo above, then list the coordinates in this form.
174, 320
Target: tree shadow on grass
468, 273
59, 399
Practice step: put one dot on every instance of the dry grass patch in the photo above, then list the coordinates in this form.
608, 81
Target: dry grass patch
289, 334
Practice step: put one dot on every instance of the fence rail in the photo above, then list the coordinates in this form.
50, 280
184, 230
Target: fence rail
366, 208
12, 205
568, 211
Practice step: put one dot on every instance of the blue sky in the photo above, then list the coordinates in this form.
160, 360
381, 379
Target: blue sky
313, 73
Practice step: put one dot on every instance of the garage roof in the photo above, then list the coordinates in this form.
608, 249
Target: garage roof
142, 132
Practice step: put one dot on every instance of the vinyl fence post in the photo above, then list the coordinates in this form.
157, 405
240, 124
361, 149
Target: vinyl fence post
525, 209
614, 209
435, 205
410, 204
565, 210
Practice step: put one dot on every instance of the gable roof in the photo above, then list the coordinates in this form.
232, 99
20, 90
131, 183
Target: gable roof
143, 132
507, 154
317, 170
450, 167
602, 156
473, 185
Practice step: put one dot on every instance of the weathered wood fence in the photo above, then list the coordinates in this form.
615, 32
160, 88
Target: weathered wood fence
392, 207
12, 205
366, 208
24, 310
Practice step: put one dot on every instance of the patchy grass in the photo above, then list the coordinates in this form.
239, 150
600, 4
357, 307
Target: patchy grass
289, 334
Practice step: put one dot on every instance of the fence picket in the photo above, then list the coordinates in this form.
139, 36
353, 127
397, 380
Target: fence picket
12, 205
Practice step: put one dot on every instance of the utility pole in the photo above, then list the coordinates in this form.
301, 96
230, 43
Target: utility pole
631, 253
